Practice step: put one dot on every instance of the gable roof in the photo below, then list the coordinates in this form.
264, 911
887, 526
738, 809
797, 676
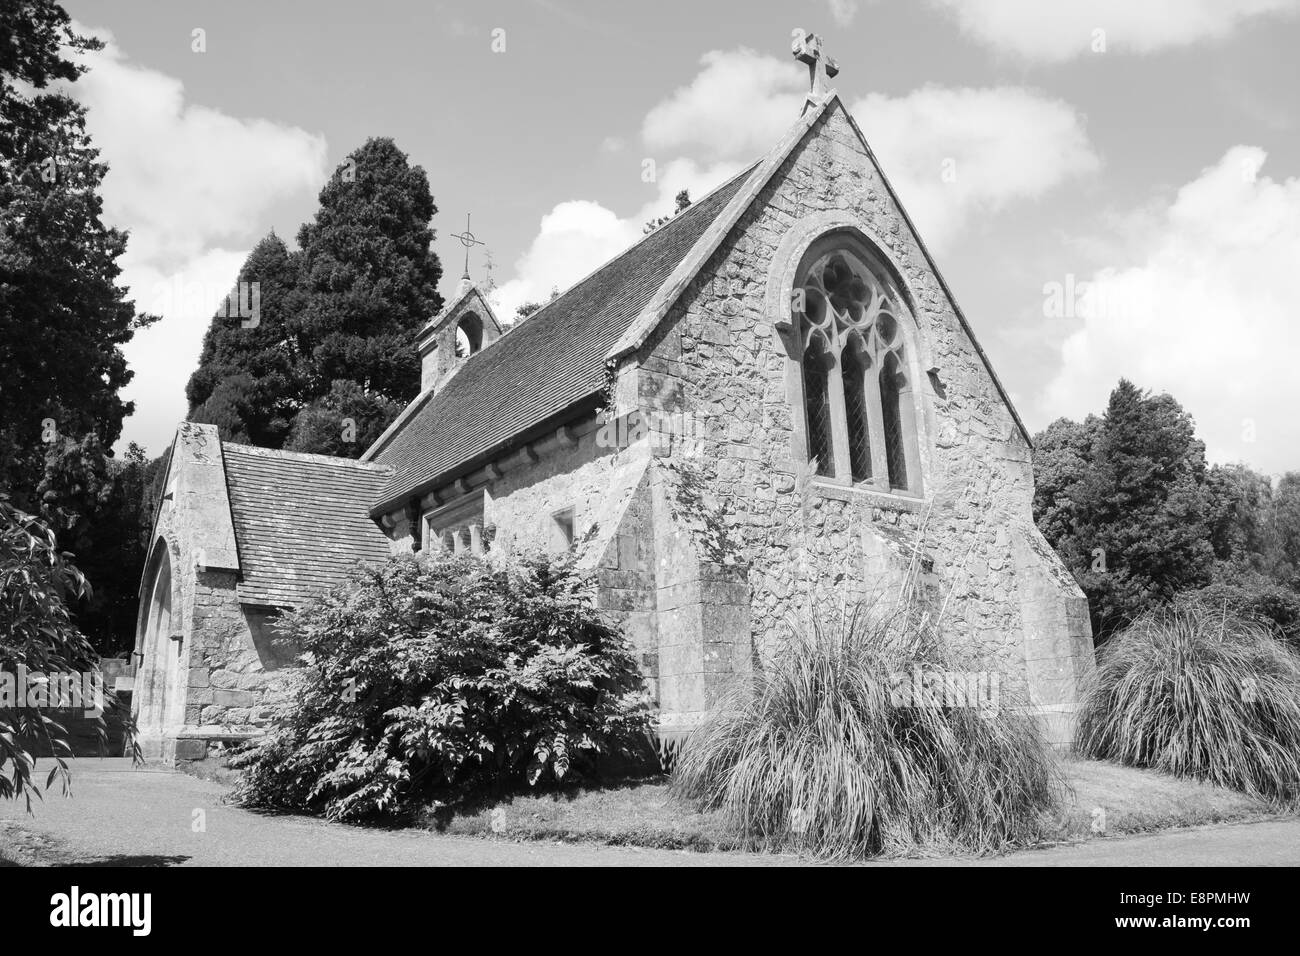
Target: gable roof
468, 299
545, 365
657, 308
300, 521
519, 384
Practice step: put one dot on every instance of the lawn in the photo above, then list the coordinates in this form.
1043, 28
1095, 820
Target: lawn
1103, 800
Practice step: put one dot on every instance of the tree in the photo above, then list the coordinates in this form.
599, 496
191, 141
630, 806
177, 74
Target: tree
681, 201
528, 308
1062, 455
37, 583
334, 338
1134, 526
98, 507
1239, 505
63, 318
345, 422
367, 276
248, 380
1284, 530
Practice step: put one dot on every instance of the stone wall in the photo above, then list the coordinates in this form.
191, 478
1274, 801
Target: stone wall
807, 544
659, 574
224, 676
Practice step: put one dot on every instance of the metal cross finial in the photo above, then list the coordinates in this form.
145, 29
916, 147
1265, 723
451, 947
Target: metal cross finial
807, 48
468, 241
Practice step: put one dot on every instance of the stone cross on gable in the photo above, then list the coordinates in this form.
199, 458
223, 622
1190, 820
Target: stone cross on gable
807, 48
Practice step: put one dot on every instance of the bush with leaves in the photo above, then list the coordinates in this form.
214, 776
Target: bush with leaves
1254, 596
37, 582
433, 680
1198, 691
820, 752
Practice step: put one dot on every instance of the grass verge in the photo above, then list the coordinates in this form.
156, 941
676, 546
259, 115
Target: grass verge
1102, 800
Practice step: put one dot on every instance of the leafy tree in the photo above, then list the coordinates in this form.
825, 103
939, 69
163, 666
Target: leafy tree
681, 201
345, 308
97, 506
63, 317
63, 322
528, 308
1284, 530
1239, 503
37, 583
248, 380
345, 422
1062, 455
367, 276
1134, 525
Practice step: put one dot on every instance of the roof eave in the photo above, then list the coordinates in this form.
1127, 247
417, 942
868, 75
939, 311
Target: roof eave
576, 409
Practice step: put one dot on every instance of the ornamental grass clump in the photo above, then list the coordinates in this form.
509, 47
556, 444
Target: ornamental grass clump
1200, 692
872, 737
435, 681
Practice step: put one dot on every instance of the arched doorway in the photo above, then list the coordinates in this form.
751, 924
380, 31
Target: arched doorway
160, 708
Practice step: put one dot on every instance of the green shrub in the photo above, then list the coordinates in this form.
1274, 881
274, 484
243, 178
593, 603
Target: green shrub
820, 752
1254, 596
436, 680
1198, 692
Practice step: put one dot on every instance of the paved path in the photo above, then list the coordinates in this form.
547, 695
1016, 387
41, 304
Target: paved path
119, 815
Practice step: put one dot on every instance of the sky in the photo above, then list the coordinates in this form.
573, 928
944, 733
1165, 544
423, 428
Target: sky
1111, 188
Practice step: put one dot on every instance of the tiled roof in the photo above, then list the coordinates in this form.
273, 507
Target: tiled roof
300, 521
548, 363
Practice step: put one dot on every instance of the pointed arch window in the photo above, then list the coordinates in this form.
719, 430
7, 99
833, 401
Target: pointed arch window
855, 364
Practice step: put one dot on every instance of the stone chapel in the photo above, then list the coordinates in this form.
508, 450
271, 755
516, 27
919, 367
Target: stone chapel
772, 402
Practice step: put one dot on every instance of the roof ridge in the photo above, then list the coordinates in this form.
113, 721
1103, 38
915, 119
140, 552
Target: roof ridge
677, 218
304, 456
760, 172
423, 397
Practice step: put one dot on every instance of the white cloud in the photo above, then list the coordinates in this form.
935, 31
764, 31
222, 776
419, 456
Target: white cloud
1064, 29
578, 236
1006, 144
738, 105
1209, 316
188, 183
165, 354
955, 153
951, 153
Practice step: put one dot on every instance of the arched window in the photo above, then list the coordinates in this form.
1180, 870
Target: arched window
858, 402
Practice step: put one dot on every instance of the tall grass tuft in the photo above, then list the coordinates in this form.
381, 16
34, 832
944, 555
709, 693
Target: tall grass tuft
1198, 692
821, 751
